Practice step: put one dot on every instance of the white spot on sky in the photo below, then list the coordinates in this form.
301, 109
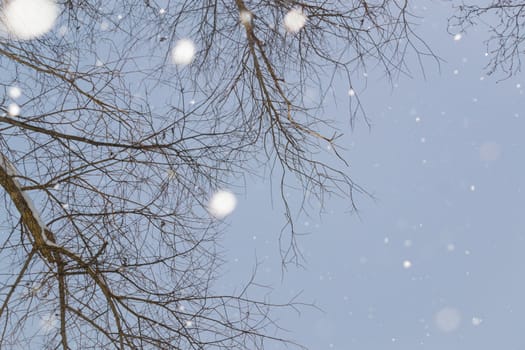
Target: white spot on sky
62, 31
476, 321
448, 319
13, 110
14, 92
472, 188
28, 19
407, 264
451, 247
104, 26
294, 20
458, 37
183, 52
48, 323
351, 92
456, 71
489, 151
221, 204
162, 11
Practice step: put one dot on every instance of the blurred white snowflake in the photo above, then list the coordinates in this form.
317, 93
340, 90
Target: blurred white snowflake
294, 20
28, 19
48, 323
222, 203
184, 52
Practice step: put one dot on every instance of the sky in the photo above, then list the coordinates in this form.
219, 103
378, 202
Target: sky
435, 259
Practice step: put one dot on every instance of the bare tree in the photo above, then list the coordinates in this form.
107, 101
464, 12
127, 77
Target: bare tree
107, 167
506, 22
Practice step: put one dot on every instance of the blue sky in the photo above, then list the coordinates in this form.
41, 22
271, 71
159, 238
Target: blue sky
444, 162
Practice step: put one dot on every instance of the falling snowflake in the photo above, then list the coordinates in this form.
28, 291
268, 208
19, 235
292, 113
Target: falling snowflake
48, 323
448, 319
351, 92
29, 19
14, 92
13, 110
246, 17
294, 20
183, 52
407, 264
476, 321
489, 151
458, 37
221, 204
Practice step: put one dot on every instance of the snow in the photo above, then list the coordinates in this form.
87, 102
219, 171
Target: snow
246, 17
48, 323
489, 151
29, 19
458, 37
294, 20
448, 319
222, 204
407, 264
6, 165
476, 321
14, 92
13, 110
10, 169
351, 92
183, 53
